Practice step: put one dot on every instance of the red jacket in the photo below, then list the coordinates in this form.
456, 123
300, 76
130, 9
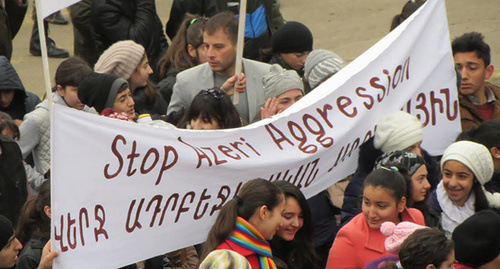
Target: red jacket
251, 256
356, 244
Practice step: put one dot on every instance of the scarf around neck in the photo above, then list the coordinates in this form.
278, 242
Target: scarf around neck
246, 236
452, 214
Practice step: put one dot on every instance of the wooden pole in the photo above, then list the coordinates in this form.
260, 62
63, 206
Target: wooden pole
239, 48
45, 58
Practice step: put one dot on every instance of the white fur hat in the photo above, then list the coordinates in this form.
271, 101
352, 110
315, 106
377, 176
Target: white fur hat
397, 131
473, 155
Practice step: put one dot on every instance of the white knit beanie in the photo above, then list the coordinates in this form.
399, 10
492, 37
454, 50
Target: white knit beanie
321, 64
397, 131
121, 59
473, 155
280, 80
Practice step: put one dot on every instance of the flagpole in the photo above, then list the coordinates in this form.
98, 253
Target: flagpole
239, 48
45, 58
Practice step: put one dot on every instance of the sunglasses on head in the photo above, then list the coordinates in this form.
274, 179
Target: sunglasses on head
217, 94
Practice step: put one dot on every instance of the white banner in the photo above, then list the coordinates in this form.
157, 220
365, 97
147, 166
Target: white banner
123, 192
48, 7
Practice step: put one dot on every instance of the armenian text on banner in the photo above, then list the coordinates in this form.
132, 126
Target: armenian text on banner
123, 192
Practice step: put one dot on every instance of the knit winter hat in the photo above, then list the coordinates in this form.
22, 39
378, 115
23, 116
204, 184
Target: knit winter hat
6, 231
409, 159
477, 239
100, 90
397, 131
292, 37
121, 59
280, 80
321, 64
224, 258
396, 234
473, 155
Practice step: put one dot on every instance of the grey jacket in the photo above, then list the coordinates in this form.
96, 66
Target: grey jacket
191, 81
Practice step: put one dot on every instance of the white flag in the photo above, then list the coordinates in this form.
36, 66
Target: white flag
48, 7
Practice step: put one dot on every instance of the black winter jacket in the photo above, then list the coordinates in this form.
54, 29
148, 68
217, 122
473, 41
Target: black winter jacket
24, 101
263, 18
11, 18
13, 192
115, 20
32, 253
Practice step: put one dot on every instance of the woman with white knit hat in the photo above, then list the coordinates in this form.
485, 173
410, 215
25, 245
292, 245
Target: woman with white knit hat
129, 61
396, 131
466, 166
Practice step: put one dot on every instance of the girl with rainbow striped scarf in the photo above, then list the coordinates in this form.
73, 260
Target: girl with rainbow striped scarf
247, 222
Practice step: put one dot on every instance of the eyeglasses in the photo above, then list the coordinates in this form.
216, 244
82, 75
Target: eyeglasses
217, 94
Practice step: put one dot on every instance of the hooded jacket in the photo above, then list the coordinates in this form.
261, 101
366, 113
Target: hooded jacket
23, 101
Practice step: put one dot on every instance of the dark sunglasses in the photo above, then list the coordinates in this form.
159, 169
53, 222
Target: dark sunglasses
217, 94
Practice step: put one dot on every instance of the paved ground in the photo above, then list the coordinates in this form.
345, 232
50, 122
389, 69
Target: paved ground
348, 27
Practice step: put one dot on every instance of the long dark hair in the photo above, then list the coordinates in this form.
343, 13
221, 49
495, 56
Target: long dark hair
386, 178
481, 202
212, 104
151, 90
254, 194
190, 33
33, 221
298, 253
71, 72
420, 205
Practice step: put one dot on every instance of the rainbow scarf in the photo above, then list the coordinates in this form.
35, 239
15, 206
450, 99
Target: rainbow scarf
246, 236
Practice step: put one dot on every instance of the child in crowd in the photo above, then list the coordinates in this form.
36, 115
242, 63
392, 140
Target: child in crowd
360, 241
466, 167
246, 222
396, 131
129, 61
102, 91
282, 89
426, 248
293, 246
320, 65
413, 168
211, 109
33, 228
14, 99
185, 51
35, 130
477, 241
291, 44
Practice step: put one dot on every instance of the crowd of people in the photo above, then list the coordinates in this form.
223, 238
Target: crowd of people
402, 208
